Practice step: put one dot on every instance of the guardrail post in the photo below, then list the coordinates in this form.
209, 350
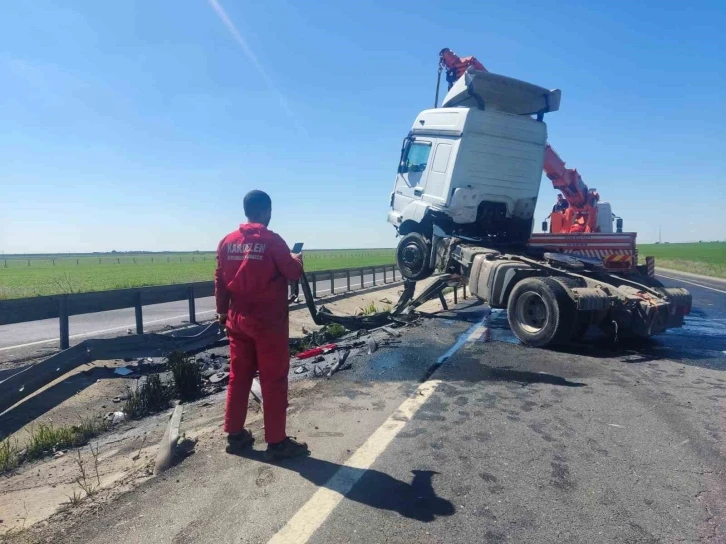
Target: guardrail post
315, 286
139, 315
362, 278
394, 272
332, 283
374, 276
347, 278
456, 294
63, 320
192, 306
384, 274
463, 288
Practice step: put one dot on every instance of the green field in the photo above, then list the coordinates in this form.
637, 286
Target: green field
707, 258
55, 274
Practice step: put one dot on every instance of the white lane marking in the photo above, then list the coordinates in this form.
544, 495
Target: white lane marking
692, 283
81, 335
313, 513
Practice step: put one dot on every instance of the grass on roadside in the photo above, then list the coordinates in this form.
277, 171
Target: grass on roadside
372, 309
8, 455
150, 397
705, 258
29, 276
186, 376
46, 439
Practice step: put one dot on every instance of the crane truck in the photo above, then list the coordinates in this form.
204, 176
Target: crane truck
463, 205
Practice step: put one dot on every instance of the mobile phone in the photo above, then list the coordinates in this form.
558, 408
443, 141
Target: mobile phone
297, 248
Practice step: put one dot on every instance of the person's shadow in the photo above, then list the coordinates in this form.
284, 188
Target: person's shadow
376, 489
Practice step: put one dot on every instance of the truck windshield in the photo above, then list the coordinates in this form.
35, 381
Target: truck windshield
418, 157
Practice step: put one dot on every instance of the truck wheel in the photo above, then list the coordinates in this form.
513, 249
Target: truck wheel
541, 313
412, 257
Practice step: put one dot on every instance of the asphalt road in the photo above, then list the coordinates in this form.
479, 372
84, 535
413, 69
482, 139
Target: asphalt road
39, 338
501, 443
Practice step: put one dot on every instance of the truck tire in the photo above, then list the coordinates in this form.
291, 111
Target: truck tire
413, 256
541, 313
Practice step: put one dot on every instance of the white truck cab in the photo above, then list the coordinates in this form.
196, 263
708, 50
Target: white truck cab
473, 167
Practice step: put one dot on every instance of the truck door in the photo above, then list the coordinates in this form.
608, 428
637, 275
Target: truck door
412, 171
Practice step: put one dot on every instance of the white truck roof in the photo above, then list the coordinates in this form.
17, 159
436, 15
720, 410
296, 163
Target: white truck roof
485, 90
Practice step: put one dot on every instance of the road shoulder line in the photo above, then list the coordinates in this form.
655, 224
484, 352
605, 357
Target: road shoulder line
693, 283
691, 275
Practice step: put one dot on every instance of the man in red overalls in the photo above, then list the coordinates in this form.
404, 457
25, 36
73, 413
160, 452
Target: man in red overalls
254, 266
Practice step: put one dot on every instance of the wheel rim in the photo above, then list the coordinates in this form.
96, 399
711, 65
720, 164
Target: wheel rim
412, 258
531, 312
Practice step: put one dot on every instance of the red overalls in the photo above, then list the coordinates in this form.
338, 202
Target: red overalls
253, 268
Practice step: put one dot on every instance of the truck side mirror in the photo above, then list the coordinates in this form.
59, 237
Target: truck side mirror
619, 224
544, 226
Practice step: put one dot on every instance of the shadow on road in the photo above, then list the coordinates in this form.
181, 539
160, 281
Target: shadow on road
373, 488
506, 374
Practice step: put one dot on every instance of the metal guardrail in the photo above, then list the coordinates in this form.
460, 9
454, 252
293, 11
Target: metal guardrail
23, 310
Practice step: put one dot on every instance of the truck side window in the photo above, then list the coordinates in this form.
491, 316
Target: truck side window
418, 157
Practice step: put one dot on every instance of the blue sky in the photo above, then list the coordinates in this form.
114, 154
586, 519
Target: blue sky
141, 125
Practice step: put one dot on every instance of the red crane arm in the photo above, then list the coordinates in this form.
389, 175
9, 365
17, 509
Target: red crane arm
565, 180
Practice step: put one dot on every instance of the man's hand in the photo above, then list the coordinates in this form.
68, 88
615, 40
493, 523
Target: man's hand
222, 320
297, 257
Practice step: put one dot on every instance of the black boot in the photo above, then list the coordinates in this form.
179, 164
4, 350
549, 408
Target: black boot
239, 441
286, 449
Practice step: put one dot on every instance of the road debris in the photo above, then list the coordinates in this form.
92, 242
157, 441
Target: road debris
342, 356
219, 377
372, 345
314, 352
116, 417
123, 371
391, 332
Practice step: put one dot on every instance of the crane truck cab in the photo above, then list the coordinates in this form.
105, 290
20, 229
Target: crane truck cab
471, 168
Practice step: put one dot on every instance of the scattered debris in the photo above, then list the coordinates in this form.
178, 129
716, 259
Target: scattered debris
301, 369
219, 377
314, 352
336, 366
391, 332
372, 345
116, 417
123, 371
385, 301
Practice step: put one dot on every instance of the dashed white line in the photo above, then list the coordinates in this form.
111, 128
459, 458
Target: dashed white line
692, 283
